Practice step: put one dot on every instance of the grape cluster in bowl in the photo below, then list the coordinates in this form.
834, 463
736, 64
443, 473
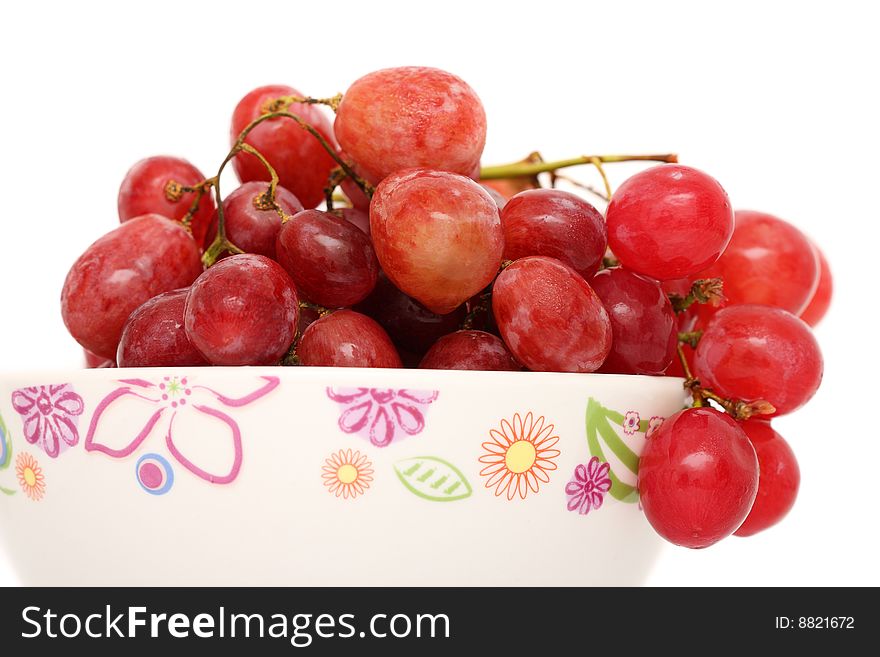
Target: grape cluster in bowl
419, 257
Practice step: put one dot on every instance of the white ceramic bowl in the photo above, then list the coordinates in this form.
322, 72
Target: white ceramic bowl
324, 476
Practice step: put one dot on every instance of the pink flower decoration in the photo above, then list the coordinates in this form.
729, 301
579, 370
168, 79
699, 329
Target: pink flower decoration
49, 416
381, 414
631, 423
654, 424
165, 403
587, 487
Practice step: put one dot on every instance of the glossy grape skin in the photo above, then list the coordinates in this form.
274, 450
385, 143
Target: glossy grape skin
554, 223
754, 352
346, 338
410, 117
250, 227
643, 324
302, 163
154, 335
331, 261
698, 477
768, 261
549, 317
143, 191
470, 350
131, 264
821, 299
437, 235
411, 326
669, 221
779, 480
242, 311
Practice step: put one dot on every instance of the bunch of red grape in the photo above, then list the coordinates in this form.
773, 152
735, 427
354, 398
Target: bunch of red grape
419, 257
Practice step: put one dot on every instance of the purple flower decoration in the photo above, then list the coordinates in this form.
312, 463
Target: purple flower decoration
382, 415
588, 485
191, 418
631, 423
49, 416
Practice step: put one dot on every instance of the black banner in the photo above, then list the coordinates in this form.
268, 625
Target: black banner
508, 621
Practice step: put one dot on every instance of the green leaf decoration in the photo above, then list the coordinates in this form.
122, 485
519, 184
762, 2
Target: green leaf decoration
599, 421
5, 453
433, 479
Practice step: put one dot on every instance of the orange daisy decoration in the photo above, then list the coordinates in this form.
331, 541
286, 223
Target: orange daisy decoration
347, 473
30, 476
519, 456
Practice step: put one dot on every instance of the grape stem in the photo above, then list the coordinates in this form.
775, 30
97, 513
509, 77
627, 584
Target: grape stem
221, 243
283, 103
174, 191
555, 175
267, 200
704, 290
321, 310
527, 168
736, 408
333, 181
596, 162
365, 186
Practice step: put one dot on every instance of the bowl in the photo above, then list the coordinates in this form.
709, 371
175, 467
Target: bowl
326, 476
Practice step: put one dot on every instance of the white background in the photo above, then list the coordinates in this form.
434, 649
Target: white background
776, 100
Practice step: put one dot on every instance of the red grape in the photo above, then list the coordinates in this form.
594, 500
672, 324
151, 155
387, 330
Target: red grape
408, 117
129, 265
356, 217
411, 326
821, 300
301, 162
331, 261
669, 221
154, 335
754, 352
549, 317
145, 190
698, 477
350, 188
675, 368
469, 350
97, 362
768, 261
779, 480
346, 339
554, 223
643, 324
242, 311
250, 224
437, 235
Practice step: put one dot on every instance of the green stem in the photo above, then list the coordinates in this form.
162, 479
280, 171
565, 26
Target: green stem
704, 290
521, 169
